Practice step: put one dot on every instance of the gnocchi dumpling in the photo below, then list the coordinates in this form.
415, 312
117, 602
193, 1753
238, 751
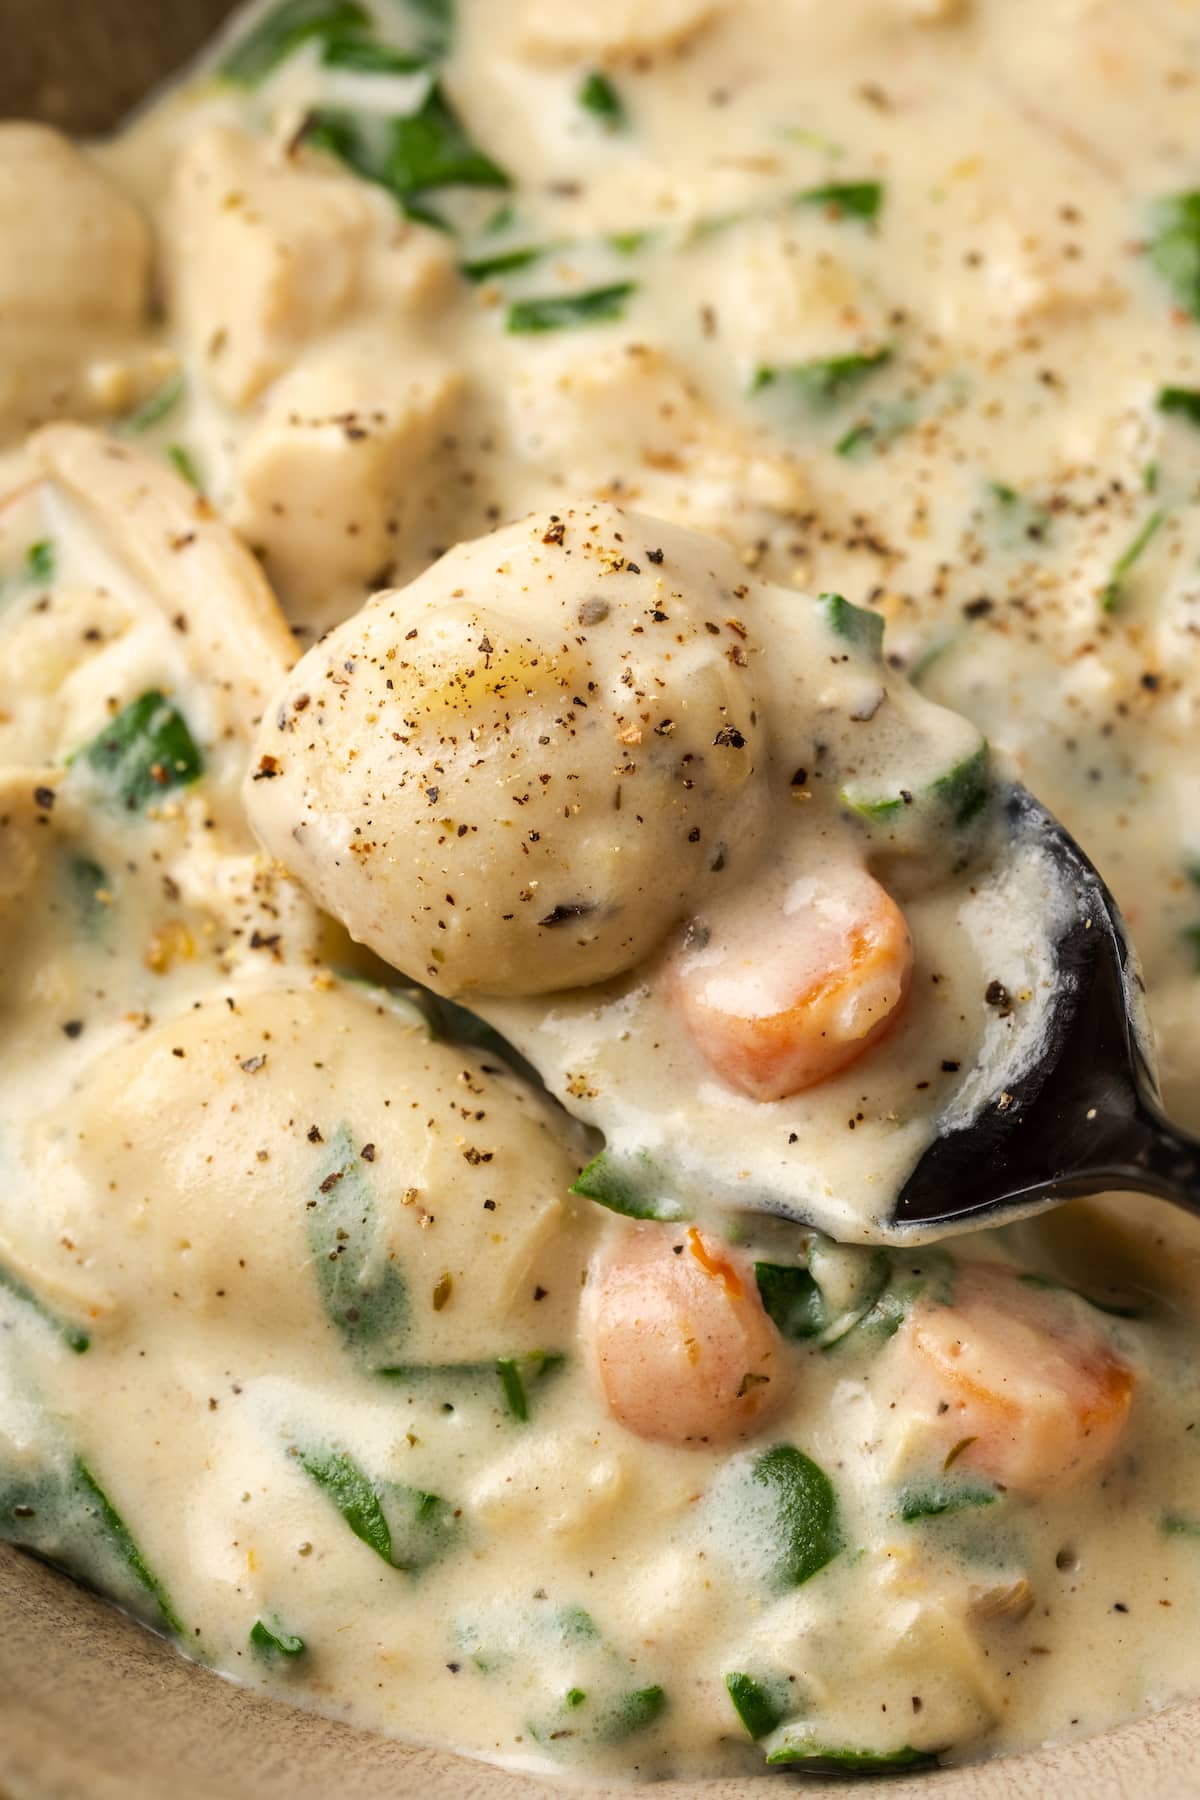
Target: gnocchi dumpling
520, 772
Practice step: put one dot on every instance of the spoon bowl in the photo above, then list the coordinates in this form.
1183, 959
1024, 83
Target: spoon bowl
1084, 1117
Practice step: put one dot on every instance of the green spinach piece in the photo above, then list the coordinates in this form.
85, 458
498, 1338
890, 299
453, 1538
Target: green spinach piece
805, 1526
73, 1336
362, 1290
598, 96
794, 1298
182, 462
939, 1497
626, 1189
504, 262
1111, 592
518, 1372
66, 1517
845, 199
962, 792
516, 1376
281, 33
930, 1271
1179, 1525
824, 384
1174, 247
815, 1758
628, 1714
406, 1527
761, 1704
143, 752
88, 889
40, 561
435, 20
1183, 402
411, 156
566, 312
154, 410
857, 624
606, 1721
273, 1641
368, 57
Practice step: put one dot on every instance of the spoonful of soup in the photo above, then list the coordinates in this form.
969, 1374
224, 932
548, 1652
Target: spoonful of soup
773, 924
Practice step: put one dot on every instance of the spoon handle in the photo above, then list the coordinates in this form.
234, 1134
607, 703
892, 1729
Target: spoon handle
1156, 1156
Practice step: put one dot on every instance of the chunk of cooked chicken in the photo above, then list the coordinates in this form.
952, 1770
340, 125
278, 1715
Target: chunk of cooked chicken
332, 476
75, 258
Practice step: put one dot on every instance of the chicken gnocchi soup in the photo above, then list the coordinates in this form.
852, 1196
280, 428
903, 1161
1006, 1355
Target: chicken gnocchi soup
535, 544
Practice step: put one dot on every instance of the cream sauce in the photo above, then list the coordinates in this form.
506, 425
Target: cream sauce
324, 1260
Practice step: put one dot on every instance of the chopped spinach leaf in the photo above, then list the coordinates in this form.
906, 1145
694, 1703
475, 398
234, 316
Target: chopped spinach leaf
792, 1299
403, 1525
939, 1497
154, 410
860, 437
515, 1374
627, 243
412, 155
436, 24
87, 885
40, 561
1111, 592
459, 1025
599, 1721
964, 789
1179, 1525
845, 199
1183, 402
368, 57
1174, 247
124, 1541
962, 792
282, 31
822, 1759
144, 751
430, 149
73, 1336
824, 384
1191, 936
504, 262
561, 312
598, 96
629, 1713
930, 1272
797, 1302
761, 1705
182, 463
857, 624
805, 1527
362, 1290
625, 1189
272, 1641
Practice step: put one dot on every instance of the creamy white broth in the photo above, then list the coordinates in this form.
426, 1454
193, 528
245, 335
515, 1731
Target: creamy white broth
562, 1591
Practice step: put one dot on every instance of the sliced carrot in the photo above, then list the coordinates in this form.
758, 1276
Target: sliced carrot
1028, 1387
682, 1347
781, 999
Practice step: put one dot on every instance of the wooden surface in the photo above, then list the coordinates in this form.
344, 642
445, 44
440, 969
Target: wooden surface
94, 1708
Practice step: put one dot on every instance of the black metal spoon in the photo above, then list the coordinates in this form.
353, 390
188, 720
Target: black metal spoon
1085, 1117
